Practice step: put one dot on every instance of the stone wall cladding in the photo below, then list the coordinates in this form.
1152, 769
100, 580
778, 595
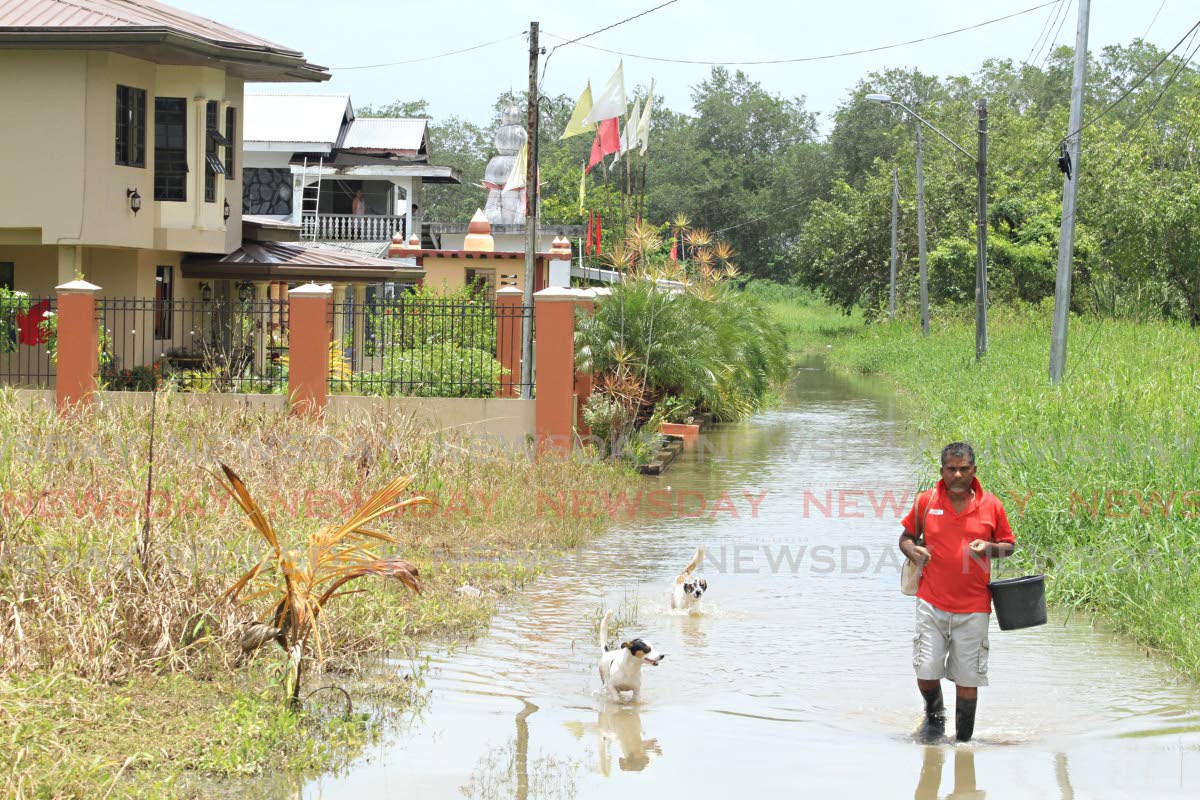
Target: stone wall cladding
266, 191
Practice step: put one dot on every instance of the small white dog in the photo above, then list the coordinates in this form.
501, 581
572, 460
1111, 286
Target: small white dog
689, 588
621, 669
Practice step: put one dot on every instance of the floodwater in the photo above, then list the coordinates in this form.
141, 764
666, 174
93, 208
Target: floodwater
797, 676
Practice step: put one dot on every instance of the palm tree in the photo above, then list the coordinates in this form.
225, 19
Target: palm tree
299, 590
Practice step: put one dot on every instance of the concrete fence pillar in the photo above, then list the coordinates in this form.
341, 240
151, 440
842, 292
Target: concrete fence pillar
78, 345
583, 378
309, 335
508, 339
554, 411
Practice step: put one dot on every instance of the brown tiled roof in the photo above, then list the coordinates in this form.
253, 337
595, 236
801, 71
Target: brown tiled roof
95, 21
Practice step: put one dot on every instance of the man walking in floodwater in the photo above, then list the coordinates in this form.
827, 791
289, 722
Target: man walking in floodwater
964, 527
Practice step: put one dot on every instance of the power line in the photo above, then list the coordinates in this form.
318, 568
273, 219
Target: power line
1045, 30
1051, 44
813, 58
1132, 86
1151, 25
431, 58
599, 30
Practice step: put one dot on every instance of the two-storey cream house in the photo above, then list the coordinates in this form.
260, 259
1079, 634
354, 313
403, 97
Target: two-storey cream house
121, 142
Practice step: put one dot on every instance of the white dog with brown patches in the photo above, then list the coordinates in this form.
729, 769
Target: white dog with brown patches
621, 669
689, 587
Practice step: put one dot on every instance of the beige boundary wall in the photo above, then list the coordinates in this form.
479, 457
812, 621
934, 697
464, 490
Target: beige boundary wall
503, 421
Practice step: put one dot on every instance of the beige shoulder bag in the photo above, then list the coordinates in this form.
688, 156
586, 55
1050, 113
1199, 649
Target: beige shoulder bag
910, 573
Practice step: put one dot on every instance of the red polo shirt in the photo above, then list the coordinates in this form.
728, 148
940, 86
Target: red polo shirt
955, 579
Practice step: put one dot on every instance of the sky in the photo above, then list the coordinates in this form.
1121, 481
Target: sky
364, 32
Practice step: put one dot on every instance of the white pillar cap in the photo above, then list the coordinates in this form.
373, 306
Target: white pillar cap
77, 287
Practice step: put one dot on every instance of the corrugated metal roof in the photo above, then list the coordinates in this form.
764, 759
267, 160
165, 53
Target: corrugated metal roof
123, 14
385, 133
368, 249
295, 117
287, 254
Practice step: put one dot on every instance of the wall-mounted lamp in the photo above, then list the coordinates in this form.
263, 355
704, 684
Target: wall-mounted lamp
206, 292
135, 200
227, 210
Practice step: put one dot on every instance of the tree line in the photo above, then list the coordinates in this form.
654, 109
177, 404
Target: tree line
811, 209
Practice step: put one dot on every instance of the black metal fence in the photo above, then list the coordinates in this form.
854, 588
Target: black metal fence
419, 345
224, 345
27, 338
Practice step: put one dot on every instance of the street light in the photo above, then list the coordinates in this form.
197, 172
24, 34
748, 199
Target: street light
981, 343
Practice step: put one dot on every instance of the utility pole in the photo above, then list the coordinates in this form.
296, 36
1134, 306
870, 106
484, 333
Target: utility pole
895, 213
921, 233
531, 204
981, 338
1066, 238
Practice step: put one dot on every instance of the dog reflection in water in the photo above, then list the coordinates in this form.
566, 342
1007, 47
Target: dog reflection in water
619, 730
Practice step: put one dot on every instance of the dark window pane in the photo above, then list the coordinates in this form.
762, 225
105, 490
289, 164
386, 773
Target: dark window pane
170, 148
131, 126
231, 136
164, 294
211, 110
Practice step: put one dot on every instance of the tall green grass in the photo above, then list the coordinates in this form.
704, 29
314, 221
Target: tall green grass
1100, 474
810, 322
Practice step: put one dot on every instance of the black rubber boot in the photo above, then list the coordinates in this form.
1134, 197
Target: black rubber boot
934, 726
964, 719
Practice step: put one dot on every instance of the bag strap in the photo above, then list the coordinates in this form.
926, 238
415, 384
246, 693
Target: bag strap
920, 537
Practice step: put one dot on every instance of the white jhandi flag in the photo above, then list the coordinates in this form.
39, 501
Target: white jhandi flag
643, 127
611, 102
629, 135
516, 177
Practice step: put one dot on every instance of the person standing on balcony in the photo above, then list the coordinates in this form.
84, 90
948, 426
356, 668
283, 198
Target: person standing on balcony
358, 206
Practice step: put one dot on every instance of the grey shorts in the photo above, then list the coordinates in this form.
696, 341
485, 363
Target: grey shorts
953, 646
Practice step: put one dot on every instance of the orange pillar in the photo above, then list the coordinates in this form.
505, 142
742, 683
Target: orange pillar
583, 378
78, 345
554, 311
309, 329
508, 339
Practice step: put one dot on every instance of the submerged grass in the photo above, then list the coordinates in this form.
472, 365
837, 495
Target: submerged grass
119, 675
1100, 474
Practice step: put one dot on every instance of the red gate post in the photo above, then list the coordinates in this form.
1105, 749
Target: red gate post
554, 412
508, 339
78, 357
309, 336
583, 378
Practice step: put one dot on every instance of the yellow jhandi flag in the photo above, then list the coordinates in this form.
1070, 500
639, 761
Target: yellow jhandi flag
576, 125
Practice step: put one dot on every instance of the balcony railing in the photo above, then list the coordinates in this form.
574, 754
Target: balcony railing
351, 227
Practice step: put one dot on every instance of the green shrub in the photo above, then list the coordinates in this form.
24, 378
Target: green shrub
444, 369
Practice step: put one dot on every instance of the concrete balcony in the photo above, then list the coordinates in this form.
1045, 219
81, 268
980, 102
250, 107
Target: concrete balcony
351, 227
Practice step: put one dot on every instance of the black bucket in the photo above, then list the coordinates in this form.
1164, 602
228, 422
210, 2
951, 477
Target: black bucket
1019, 602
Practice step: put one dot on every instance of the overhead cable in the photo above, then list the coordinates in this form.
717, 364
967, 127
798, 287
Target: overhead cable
431, 58
825, 57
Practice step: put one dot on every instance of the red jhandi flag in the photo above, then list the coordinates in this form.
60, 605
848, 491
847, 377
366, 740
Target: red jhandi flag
598, 230
674, 249
587, 248
607, 141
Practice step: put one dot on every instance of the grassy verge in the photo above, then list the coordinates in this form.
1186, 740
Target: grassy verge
1100, 474
809, 321
118, 678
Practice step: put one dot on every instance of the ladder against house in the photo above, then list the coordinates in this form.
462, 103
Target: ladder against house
310, 198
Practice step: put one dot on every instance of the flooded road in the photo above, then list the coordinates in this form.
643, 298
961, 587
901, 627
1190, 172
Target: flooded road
797, 677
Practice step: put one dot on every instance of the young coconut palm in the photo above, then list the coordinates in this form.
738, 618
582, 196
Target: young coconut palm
298, 590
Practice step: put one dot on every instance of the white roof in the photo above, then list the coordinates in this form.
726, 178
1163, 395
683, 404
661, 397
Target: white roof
385, 133
296, 117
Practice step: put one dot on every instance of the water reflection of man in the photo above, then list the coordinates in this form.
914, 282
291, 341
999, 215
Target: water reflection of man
964, 527
930, 782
